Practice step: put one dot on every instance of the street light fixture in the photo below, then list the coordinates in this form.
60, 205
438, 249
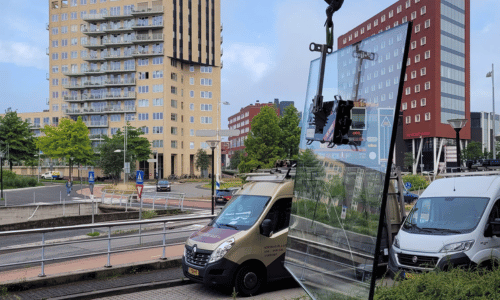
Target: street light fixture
458, 124
71, 168
213, 145
492, 75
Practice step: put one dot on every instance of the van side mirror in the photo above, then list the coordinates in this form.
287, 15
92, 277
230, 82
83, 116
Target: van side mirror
266, 227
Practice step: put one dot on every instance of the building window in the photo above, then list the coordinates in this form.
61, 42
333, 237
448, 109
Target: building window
417, 58
382, 19
173, 130
157, 88
417, 118
173, 144
405, 106
399, 9
413, 45
191, 119
345, 41
206, 69
413, 74
423, 102
145, 129
143, 116
143, 89
369, 26
427, 23
423, 71
356, 34
413, 103
158, 102
408, 120
206, 120
391, 14
173, 103
417, 88
158, 144
423, 10
206, 107
408, 3
173, 117
191, 132
157, 129
413, 15
191, 68
396, 23
173, 90
404, 20
423, 41
427, 85
191, 106
350, 37
362, 30
375, 23
206, 81
417, 28
427, 116
206, 95
143, 103
427, 54
158, 116
408, 90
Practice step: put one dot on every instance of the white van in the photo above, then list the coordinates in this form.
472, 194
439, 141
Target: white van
244, 246
456, 221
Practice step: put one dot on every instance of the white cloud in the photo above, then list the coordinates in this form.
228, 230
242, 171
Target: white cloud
254, 60
23, 54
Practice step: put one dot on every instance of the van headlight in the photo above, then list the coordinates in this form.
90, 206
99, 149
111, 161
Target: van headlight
396, 242
185, 251
460, 246
221, 250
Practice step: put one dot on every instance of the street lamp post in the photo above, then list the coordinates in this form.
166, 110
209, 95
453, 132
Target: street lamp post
492, 75
218, 121
458, 124
124, 165
213, 145
1, 173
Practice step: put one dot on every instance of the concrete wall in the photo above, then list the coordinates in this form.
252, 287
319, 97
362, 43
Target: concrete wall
19, 214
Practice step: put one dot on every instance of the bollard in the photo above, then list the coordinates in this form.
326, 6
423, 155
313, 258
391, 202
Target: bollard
164, 232
60, 197
34, 201
64, 202
43, 256
108, 265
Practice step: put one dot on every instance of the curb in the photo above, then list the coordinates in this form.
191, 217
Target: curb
71, 277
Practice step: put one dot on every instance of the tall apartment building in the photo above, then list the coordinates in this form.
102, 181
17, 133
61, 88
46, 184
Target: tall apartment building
482, 128
437, 79
154, 64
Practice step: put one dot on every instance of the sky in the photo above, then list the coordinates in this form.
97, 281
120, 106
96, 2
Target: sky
266, 50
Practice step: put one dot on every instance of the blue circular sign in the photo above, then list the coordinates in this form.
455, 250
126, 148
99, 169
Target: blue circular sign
408, 185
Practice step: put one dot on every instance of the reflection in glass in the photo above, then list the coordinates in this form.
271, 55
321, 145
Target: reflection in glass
339, 190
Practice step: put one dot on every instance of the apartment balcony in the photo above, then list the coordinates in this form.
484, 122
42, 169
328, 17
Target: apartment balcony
124, 96
83, 98
142, 11
73, 74
96, 124
121, 82
94, 72
221, 27
71, 111
96, 137
221, 39
120, 70
117, 16
147, 38
117, 42
147, 26
85, 85
120, 29
93, 45
93, 32
147, 53
93, 17
35, 126
73, 99
93, 58
110, 56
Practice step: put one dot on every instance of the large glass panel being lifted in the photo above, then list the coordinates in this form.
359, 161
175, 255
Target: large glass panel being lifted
339, 189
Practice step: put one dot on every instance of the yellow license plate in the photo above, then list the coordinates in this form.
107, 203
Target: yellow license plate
193, 272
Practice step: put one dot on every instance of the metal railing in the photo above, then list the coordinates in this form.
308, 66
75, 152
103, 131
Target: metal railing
43, 245
153, 198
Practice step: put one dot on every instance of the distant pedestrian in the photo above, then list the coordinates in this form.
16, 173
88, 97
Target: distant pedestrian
69, 184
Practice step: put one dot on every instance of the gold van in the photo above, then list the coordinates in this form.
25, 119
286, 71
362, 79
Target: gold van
244, 246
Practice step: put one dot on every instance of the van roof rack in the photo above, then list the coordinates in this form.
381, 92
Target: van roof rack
283, 169
476, 173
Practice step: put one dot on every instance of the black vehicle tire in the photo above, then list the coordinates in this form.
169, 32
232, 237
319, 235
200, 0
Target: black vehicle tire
248, 281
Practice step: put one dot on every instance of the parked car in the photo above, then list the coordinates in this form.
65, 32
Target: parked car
163, 185
409, 197
52, 175
224, 195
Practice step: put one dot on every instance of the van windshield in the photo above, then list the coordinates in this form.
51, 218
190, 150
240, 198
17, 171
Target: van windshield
241, 213
445, 215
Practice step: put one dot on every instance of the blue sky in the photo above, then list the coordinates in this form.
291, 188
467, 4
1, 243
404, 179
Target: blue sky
265, 46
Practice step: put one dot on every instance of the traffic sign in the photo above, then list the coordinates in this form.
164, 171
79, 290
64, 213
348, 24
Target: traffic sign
408, 185
139, 188
139, 178
151, 160
91, 177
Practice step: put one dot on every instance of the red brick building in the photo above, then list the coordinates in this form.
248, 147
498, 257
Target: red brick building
437, 79
242, 121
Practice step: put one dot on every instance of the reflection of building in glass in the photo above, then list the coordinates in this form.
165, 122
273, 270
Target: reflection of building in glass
431, 95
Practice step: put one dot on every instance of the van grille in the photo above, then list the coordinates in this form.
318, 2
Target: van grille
422, 261
200, 258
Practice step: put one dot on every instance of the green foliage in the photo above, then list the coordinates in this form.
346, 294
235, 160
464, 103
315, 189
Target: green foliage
149, 214
11, 180
202, 160
309, 175
69, 139
93, 234
290, 132
138, 148
236, 159
17, 136
409, 161
247, 165
457, 283
474, 150
417, 181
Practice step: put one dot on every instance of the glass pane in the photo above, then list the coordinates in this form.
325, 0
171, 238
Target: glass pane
339, 189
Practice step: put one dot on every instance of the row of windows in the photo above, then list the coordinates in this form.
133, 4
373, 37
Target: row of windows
453, 59
145, 102
453, 14
239, 117
417, 118
453, 104
423, 102
452, 89
427, 86
452, 74
452, 29
240, 124
452, 44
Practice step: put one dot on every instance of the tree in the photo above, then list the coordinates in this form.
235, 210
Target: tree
16, 136
290, 132
263, 142
236, 159
472, 151
69, 140
409, 160
138, 149
202, 160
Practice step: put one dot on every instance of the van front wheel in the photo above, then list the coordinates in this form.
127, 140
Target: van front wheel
248, 281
